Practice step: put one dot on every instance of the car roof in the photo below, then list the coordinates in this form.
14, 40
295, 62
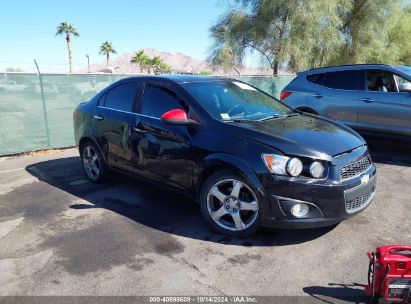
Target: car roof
191, 78
347, 67
180, 79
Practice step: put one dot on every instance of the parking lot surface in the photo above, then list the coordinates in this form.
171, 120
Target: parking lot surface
62, 235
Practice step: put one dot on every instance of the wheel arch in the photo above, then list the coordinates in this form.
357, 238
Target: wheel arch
85, 139
220, 162
307, 110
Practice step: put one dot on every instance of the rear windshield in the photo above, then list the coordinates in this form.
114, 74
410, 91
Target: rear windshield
232, 100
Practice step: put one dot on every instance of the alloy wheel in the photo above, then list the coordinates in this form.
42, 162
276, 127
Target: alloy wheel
91, 162
232, 204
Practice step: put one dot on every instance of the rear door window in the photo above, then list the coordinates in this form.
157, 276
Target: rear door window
344, 80
316, 78
121, 97
158, 100
102, 99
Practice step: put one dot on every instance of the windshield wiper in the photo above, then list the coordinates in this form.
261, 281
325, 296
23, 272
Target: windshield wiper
271, 117
262, 119
277, 116
238, 120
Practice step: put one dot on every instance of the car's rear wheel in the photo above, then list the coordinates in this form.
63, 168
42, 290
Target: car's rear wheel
93, 162
230, 205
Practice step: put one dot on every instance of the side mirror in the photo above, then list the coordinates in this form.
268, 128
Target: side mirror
176, 117
405, 87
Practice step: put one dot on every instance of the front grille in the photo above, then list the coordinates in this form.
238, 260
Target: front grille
359, 202
356, 168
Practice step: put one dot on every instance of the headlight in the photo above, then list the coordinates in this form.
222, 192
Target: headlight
276, 163
294, 167
283, 165
316, 169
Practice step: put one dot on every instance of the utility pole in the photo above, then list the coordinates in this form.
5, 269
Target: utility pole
88, 63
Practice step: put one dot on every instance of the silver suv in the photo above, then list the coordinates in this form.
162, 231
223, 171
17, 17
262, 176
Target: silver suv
372, 98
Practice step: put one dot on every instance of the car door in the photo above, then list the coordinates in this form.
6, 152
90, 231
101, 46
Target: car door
383, 108
163, 152
335, 95
113, 121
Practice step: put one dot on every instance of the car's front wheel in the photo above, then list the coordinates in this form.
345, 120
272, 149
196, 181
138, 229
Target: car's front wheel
230, 205
93, 162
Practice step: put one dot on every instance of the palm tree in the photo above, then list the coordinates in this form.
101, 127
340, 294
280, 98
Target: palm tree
67, 29
156, 61
141, 59
105, 49
158, 65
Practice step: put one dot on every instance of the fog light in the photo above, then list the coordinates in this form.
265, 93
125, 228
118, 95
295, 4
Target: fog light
300, 210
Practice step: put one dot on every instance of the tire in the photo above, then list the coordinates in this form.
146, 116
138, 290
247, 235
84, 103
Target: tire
94, 165
230, 204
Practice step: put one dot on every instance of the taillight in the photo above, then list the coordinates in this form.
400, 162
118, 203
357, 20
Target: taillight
74, 114
284, 94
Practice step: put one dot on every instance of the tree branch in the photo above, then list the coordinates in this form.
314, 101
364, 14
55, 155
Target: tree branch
260, 51
353, 16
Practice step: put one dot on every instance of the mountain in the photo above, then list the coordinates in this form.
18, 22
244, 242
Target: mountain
178, 61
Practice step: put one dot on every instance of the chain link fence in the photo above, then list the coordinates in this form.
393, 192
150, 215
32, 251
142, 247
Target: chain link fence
36, 110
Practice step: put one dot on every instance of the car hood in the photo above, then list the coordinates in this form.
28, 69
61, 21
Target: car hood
303, 135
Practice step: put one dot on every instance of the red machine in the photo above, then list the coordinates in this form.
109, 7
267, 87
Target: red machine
389, 274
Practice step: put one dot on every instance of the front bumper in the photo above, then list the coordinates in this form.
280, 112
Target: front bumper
332, 201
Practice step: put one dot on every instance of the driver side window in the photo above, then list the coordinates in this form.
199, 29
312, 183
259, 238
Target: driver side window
381, 81
158, 100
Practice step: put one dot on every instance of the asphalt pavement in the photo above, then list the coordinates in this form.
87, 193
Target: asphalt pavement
62, 235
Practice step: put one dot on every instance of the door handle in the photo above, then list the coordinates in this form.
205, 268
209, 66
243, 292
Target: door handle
138, 130
98, 117
367, 99
317, 96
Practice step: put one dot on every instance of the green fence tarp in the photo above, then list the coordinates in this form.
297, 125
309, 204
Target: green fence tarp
36, 111
269, 84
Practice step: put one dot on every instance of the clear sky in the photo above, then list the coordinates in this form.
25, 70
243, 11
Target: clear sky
28, 27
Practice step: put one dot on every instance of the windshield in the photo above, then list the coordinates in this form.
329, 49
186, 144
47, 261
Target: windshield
404, 68
232, 100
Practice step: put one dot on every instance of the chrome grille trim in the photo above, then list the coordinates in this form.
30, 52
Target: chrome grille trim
356, 168
359, 203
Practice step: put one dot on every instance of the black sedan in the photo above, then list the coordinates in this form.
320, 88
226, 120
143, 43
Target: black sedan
248, 159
